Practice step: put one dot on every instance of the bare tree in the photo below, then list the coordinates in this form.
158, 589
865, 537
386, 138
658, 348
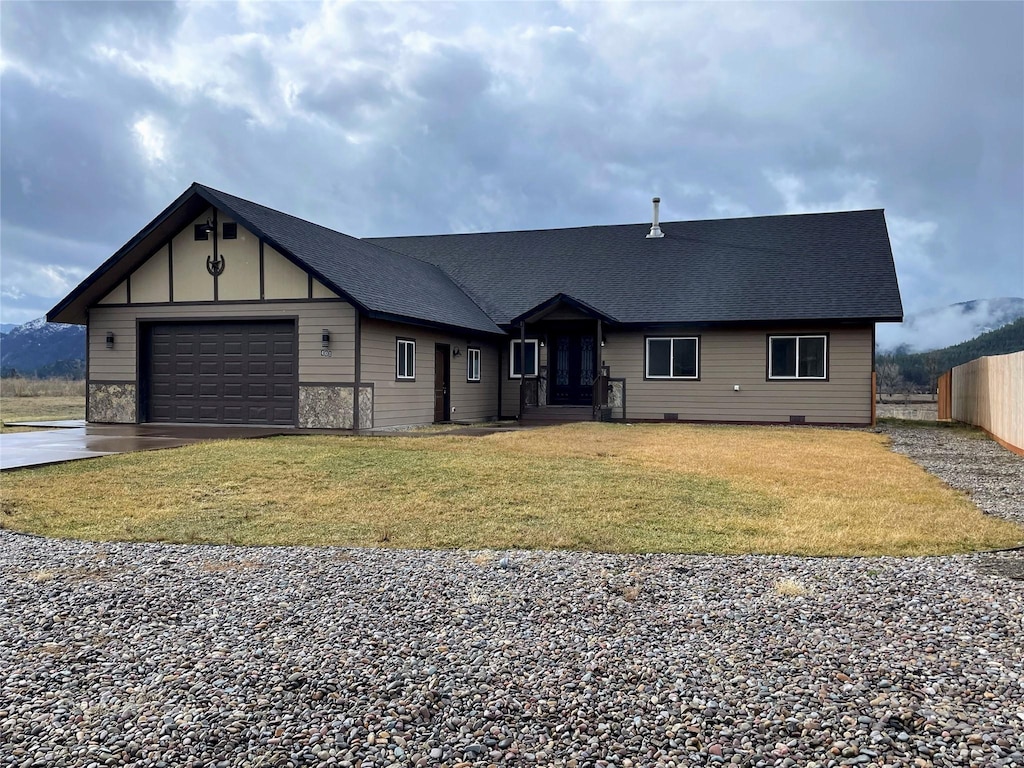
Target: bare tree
932, 367
889, 377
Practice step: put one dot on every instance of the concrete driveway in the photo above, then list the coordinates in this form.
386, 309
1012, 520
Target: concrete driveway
86, 441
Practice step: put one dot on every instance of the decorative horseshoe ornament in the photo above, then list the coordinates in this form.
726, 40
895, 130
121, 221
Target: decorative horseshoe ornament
215, 266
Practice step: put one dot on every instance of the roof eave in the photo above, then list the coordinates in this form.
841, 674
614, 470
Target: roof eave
393, 317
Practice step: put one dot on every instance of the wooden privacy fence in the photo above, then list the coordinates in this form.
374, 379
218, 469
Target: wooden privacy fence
988, 393
944, 396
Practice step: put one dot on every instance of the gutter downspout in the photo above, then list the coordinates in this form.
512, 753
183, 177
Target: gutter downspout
357, 370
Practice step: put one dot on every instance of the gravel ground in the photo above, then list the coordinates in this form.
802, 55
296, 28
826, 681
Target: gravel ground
991, 475
118, 654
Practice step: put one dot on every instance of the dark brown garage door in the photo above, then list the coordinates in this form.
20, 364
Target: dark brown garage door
223, 373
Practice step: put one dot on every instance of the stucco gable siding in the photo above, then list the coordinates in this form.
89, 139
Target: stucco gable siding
241, 278
149, 283
283, 279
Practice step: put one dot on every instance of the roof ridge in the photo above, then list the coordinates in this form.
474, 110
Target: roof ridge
633, 224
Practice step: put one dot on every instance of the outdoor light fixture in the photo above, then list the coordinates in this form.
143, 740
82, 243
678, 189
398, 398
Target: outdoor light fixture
542, 344
456, 352
325, 338
110, 339
208, 226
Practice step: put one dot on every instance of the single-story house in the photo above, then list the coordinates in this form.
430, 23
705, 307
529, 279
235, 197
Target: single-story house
221, 310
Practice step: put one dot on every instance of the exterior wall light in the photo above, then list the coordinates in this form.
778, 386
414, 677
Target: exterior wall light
325, 338
110, 339
456, 352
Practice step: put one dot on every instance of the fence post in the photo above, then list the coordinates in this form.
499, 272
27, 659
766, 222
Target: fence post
874, 396
945, 397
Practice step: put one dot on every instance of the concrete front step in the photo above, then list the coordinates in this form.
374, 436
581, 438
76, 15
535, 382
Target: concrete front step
556, 414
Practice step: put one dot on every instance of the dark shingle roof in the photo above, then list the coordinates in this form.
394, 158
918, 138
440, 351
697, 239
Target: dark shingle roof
774, 268
826, 266
379, 280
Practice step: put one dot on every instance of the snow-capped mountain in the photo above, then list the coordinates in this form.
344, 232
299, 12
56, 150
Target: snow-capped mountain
39, 347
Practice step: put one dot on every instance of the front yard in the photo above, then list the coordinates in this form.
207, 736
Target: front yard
614, 488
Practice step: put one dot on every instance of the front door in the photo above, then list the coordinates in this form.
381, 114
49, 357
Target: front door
442, 383
573, 368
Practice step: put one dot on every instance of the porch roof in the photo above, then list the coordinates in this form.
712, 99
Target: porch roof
560, 300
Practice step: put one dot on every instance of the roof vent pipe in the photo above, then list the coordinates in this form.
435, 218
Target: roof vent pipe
655, 229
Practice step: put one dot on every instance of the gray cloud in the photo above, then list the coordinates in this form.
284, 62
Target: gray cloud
401, 118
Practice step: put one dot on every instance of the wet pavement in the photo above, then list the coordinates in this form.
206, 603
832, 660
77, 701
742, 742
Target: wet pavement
70, 443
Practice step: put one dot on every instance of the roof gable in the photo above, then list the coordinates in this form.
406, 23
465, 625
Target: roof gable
380, 282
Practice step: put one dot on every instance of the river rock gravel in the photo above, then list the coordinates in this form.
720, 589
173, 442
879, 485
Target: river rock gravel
159, 655
991, 475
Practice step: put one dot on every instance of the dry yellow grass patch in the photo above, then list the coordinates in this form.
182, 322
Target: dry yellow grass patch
661, 488
791, 588
40, 400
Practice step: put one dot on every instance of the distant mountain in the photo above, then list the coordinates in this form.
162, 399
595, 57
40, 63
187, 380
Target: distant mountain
43, 349
921, 368
941, 327
7, 327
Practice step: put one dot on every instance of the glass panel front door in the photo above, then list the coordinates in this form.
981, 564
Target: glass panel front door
573, 368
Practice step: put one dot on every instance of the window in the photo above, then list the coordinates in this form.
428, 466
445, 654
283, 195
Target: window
672, 357
230, 231
531, 360
405, 368
202, 232
472, 364
797, 357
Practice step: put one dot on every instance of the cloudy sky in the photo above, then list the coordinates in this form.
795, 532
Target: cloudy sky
423, 118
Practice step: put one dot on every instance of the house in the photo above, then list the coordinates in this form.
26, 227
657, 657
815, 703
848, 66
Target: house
221, 310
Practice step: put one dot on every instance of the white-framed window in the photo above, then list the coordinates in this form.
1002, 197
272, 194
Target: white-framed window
798, 357
672, 357
531, 360
405, 359
472, 364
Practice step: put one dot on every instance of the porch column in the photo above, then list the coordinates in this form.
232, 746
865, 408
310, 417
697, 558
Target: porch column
522, 367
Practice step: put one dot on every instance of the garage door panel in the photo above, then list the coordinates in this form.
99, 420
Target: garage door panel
228, 373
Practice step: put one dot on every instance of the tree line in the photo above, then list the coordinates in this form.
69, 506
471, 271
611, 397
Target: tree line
905, 371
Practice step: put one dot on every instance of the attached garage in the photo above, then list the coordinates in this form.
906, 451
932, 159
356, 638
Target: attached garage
220, 372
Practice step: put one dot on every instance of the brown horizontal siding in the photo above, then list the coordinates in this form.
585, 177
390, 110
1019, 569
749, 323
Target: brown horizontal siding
119, 364
400, 403
739, 357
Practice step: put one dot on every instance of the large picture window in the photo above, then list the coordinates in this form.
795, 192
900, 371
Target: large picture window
472, 364
405, 366
798, 357
672, 357
530, 361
